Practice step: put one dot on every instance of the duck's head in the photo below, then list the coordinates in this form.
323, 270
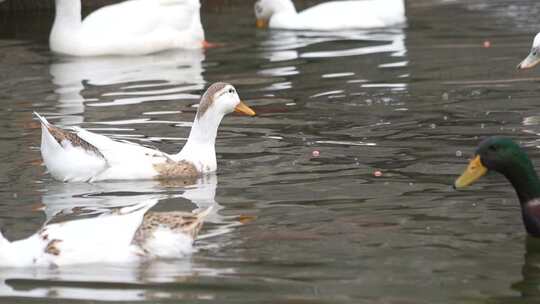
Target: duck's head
221, 98
534, 56
264, 9
506, 157
493, 154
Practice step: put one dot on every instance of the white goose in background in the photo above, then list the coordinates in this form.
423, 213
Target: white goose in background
534, 56
329, 16
134, 27
124, 235
84, 156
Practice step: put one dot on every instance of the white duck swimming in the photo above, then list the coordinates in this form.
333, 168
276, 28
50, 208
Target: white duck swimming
534, 56
132, 27
128, 234
81, 155
333, 15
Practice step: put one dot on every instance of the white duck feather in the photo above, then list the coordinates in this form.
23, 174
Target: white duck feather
329, 16
132, 27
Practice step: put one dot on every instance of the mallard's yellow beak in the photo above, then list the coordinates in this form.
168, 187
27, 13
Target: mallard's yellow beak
474, 171
262, 23
244, 109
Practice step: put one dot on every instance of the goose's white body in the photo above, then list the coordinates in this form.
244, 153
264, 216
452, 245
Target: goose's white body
132, 27
107, 238
333, 15
83, 156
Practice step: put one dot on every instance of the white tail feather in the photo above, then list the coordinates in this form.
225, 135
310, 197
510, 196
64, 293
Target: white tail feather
41, 118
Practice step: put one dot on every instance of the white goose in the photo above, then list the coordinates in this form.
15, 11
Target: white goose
81, 155
132, 27
534, 56
128, 234
333, 15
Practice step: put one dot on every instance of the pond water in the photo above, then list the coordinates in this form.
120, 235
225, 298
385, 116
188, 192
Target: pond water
410, 102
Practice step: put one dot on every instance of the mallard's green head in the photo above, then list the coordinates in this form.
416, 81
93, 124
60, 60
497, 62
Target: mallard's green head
495, 154
506, 157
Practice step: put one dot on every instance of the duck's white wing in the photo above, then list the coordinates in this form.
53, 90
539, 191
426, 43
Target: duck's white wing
139, 17
81, 155
67, 156
119, 152
125, 160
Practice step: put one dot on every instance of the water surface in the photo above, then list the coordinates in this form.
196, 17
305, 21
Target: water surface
411, 102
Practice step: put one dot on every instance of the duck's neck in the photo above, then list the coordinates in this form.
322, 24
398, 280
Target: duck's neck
200, 146
524, 179
68, 13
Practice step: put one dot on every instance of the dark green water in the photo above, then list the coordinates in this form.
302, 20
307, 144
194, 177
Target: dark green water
410, 102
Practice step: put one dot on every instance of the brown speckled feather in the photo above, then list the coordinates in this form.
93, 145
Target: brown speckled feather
175, 169
61, 135
177, 221
208, 97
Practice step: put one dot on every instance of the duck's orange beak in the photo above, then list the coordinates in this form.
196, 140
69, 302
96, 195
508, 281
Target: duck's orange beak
474, 171
262, 23
244, 109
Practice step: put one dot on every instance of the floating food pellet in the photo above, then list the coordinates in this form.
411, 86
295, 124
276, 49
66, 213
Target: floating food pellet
377, 173
459, 153
315, 153
244, 218
444, 96
487, 44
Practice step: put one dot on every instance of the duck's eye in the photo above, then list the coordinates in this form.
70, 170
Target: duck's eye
231, 91
258, 8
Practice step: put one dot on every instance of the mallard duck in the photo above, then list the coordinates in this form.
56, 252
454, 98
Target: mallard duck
80, 155
332, 15
534, 56
132, 27
506, 157
125, 235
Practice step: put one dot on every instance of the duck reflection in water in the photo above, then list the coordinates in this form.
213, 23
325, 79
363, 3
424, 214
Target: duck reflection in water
288, 46
528, 287
125, 80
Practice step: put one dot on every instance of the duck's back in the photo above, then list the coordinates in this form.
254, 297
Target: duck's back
335, 15
139, 17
